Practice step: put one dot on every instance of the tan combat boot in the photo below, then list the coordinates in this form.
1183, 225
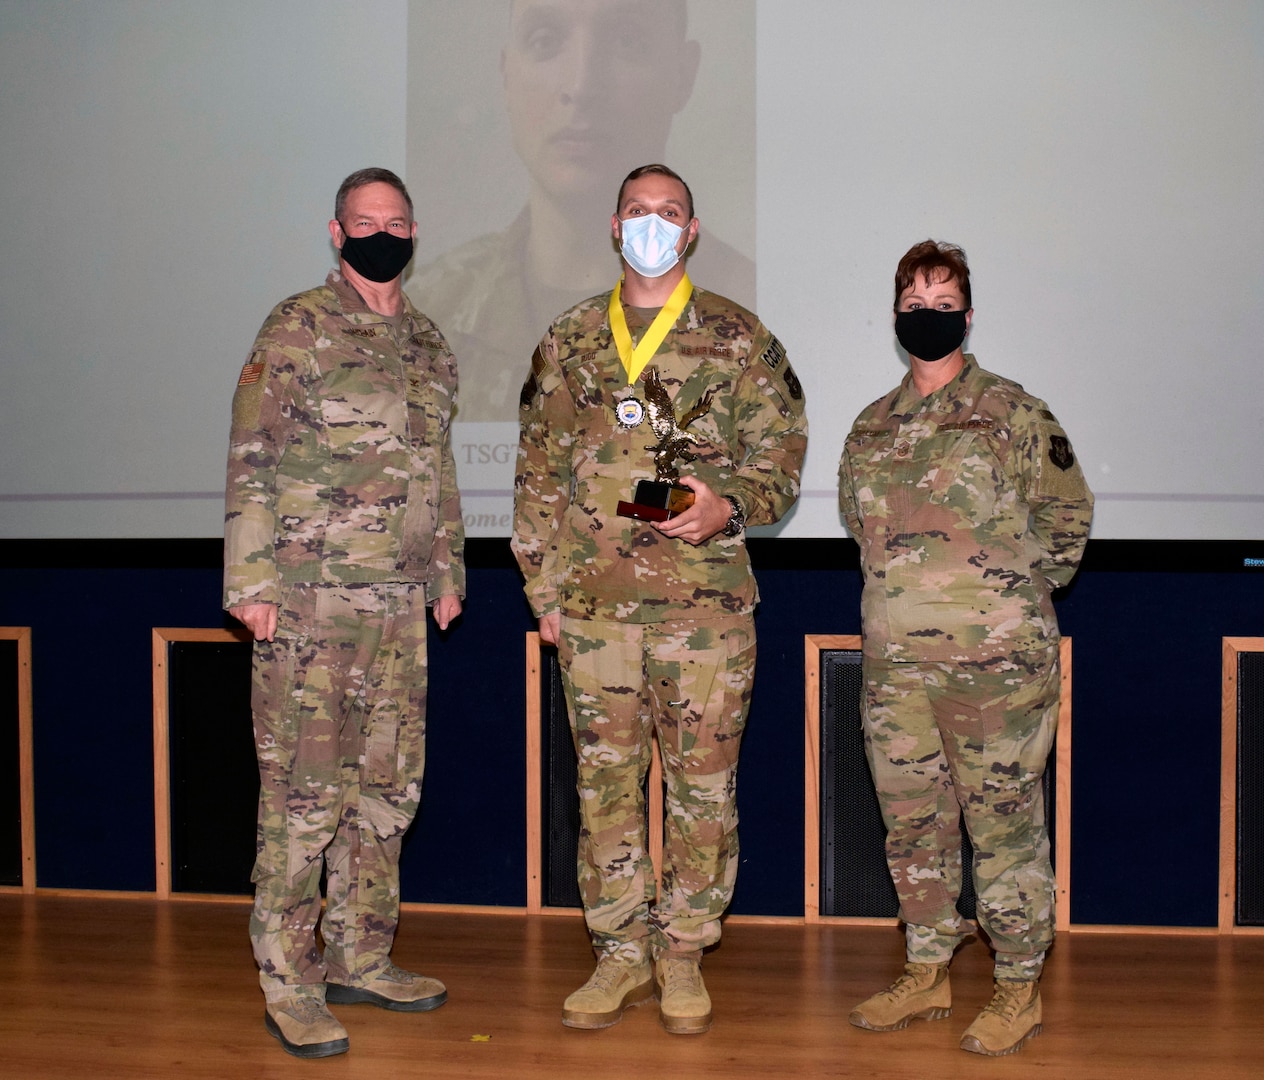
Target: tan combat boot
305, 1027
1007, 1022
921, 993
391, 988
684, 1006
616, 984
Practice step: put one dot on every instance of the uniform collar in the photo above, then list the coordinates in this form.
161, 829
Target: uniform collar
356, 310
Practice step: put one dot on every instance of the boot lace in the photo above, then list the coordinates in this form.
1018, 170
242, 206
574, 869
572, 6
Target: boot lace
1008, 1000
681, 975
395, 974
905, 985
608, 972
308, 1010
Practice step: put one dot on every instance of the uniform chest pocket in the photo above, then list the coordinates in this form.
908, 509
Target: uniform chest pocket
429, 408
963, 473
877, 461
594, 386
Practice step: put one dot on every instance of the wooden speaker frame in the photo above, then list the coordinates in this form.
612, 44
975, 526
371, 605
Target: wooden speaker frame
26, 754
1231, 647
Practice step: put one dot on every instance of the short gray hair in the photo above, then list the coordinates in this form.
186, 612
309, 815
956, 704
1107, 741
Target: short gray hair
362, 178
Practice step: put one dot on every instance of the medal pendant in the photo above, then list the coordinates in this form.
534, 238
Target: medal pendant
630, 413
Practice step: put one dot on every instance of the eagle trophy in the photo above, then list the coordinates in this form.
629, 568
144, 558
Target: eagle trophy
673, 441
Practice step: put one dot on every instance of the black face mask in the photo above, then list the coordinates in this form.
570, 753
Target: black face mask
929, 334
380, 257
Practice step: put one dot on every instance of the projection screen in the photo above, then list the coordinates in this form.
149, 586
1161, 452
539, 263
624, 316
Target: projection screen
169, 169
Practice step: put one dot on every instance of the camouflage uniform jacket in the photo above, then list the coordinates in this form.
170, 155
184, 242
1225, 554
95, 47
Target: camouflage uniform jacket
340, 467
969, 508
575, 462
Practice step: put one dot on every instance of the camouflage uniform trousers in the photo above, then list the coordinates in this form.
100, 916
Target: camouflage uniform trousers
339, 704
947, 738
690, 682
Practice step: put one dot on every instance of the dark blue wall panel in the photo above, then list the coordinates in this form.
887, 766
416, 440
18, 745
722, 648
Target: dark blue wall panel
1146, 766
1147, 622
770, 780
468, 845
92, 714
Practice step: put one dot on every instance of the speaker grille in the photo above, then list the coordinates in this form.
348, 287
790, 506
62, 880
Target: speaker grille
854, 876
214, 775
1250, 793
10, 767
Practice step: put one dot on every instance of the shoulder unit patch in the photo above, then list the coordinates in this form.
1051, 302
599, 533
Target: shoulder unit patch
1060, 452
773, 355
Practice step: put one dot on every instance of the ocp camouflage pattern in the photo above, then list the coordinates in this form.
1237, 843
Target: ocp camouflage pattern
576, 462
339, 707
951, 741
970, 508
340, 463
690, 682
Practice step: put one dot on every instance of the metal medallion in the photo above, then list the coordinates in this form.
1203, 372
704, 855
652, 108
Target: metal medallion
630, 412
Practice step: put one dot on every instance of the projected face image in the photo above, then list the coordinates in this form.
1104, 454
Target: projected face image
566, 98
591, 87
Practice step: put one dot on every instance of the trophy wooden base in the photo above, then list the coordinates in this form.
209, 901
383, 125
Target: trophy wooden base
656, 500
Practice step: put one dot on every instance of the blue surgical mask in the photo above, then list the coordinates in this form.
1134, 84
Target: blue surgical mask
649, 244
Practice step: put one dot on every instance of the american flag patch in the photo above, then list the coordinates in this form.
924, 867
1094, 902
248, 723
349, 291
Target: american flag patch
250, 374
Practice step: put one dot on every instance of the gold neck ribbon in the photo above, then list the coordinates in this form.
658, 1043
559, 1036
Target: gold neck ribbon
635, 359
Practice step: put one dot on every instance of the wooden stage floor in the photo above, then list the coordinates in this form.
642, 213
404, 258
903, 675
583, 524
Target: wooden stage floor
107, 988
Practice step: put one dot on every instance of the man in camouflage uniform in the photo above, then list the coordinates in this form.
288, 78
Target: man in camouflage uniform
653, 623
343, 523
970, 508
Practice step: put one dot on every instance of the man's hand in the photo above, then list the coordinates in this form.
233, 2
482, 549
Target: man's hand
259, 619
551, 628
706, 517
445, 609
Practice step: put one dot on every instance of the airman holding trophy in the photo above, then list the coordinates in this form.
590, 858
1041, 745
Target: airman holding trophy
658, 420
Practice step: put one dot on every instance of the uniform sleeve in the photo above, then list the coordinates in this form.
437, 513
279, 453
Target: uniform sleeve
263, 409
447, 555
773, 428
542, 486
1051, 482
848, 505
